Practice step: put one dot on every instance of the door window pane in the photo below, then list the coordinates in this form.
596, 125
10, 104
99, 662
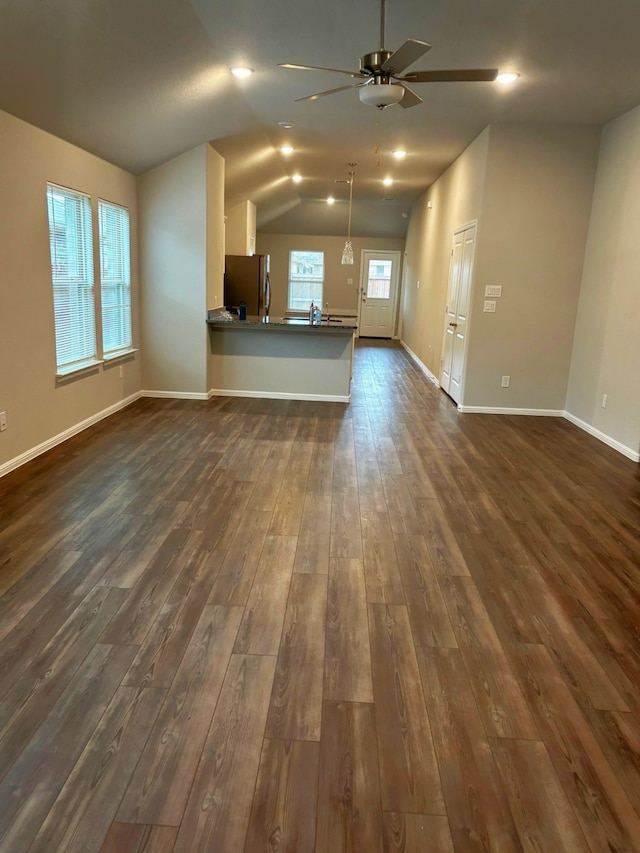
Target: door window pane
379, 280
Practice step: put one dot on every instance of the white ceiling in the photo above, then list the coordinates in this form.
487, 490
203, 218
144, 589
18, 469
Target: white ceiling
140, 81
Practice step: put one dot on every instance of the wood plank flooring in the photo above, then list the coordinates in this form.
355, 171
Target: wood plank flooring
255, 625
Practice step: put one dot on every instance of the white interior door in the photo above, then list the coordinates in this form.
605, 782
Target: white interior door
378, 293
457, 312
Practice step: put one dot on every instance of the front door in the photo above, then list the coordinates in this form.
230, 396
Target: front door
378, 293
457, 312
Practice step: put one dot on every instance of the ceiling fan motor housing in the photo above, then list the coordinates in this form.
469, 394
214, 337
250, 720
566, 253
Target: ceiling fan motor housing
371, 63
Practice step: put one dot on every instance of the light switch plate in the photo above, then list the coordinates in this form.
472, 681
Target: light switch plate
489, 306
493, 290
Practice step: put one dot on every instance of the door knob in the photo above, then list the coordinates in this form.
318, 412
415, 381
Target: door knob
455, 325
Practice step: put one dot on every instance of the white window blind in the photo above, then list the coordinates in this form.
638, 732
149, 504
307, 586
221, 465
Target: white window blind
115, 277
71, 246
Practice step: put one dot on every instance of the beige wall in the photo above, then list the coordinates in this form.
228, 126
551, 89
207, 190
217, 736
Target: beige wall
530, 188
606, 351
456, 199
532, 236
181, 265
173, 257
338, 292
240, 228
215, 228
37, 408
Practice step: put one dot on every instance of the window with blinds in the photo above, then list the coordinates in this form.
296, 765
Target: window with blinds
306, 279
115, 277
71, 247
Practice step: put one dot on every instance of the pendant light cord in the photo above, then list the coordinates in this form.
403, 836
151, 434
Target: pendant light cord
350, 199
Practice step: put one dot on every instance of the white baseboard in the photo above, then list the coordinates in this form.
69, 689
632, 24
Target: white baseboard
177, 395
28, 455
423, 367
50, 443
495, 410
281, 395
602, 436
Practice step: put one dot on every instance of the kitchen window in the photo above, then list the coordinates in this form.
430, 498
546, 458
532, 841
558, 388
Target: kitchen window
115, 278
306, 279
71, 247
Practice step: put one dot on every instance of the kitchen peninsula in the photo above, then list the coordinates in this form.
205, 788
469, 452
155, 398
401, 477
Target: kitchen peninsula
288, 358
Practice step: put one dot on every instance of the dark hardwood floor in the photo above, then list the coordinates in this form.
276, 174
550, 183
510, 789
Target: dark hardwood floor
256, 625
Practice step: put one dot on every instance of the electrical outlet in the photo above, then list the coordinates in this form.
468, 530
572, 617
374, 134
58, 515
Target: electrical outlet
604, 401
3, 421
493, 290
349, 281
506, 381
489, 306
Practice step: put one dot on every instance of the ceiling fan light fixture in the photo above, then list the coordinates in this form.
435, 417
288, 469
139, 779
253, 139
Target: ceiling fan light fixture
507, 77
331, 200
387, 182
381, 95
241, 71
287, 149
399, 154
296, 179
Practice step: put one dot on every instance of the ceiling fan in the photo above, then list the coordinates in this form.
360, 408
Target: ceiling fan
380, 72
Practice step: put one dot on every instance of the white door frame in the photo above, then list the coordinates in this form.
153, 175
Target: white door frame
397, 259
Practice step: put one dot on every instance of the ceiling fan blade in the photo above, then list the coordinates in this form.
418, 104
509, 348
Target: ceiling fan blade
457, 75
405, 55
410, 99
320, 68
327, 92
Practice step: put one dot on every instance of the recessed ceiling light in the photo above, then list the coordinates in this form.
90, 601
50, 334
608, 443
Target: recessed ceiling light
241, 71
286, 149
399, 154
387, 182
286, 124
331, 200
296, 179
507, 77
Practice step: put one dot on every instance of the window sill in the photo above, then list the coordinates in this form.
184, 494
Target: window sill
122, 353
64, 372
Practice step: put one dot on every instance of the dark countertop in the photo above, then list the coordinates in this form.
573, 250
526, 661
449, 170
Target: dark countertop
292, 324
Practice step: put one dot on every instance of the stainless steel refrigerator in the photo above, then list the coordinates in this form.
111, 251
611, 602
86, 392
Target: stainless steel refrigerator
246, 279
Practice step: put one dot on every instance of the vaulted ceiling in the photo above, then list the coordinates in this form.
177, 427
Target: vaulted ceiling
140, 81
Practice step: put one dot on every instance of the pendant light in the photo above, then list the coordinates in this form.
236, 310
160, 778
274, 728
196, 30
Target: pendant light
347, 252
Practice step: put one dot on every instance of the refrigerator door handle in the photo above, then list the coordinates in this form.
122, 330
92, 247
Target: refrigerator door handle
267, 293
